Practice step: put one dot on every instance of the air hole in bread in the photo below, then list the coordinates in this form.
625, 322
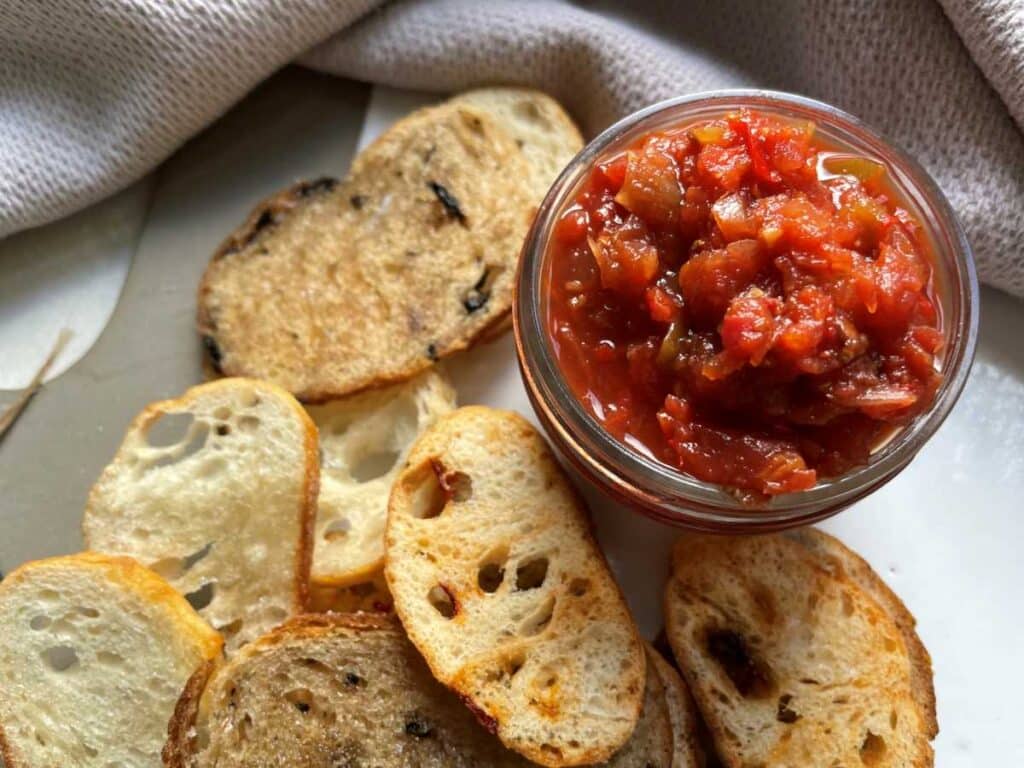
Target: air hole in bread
373, 465
300, 698
39, 622
223, 429
223, 413
175, 567
785, 713
847, 604
60, 658
540, 619
457, 486
193, 442
337, 529
579, 587
552, 751
531, 573
893, 719
491, 572
489, 577
231, 629
169, 429
424, 486
443, 600
141, 534
872, 750
751, 677
109, 658
248, 424
201, 597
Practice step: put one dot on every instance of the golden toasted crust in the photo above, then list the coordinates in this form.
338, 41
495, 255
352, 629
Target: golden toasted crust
516, 485
437, 197
850, 564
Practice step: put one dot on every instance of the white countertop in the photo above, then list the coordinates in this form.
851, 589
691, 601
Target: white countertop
946, 534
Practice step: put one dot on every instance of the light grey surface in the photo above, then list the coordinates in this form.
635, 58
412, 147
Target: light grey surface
945, 534
297, 125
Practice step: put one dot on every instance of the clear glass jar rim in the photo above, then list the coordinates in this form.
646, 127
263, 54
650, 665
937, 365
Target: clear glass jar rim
623, 465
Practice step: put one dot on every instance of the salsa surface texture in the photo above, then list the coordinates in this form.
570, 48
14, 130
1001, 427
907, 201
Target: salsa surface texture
743, 303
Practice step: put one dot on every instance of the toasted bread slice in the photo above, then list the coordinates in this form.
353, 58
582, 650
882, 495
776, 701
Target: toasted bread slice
544, 132
94, 652
682, 714
321, 690
333, 288
847, 563
324, 691
364, 440
791, 663
223, 508
499, 583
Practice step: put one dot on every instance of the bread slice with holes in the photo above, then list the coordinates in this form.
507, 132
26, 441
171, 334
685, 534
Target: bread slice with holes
323, 691
501, 586
793, 663
94, 653
329, 288
541, 128
364, 440
216, 491
681, 713
344, 689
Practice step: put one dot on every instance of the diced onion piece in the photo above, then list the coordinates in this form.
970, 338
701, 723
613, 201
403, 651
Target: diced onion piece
733, 219
861, 168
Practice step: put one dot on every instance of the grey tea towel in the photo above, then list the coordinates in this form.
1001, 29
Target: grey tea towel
95, 93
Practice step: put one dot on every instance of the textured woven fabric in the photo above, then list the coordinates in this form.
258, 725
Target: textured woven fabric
96, 92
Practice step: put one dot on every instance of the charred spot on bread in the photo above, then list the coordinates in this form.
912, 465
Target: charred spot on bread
416, 725
213, 351
477, 296
316, 186
448, 201
432, 354
750, 676
357, 201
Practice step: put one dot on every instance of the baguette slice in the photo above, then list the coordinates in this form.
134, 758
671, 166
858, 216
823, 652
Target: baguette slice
792, 663
330, 288
500, 585
223, 509
323, 691
544, 132
682, 714
94, 652
364, 440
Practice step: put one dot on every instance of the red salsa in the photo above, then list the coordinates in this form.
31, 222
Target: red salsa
743, 303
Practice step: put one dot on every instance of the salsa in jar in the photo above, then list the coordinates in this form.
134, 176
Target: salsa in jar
744, 303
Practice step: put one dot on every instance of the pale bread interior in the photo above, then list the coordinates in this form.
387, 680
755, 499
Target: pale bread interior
791, 663
500, 585
364, 440
541, 128
94, 652
682, 714
216, 492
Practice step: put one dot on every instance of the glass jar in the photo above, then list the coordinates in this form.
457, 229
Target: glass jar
661, 491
